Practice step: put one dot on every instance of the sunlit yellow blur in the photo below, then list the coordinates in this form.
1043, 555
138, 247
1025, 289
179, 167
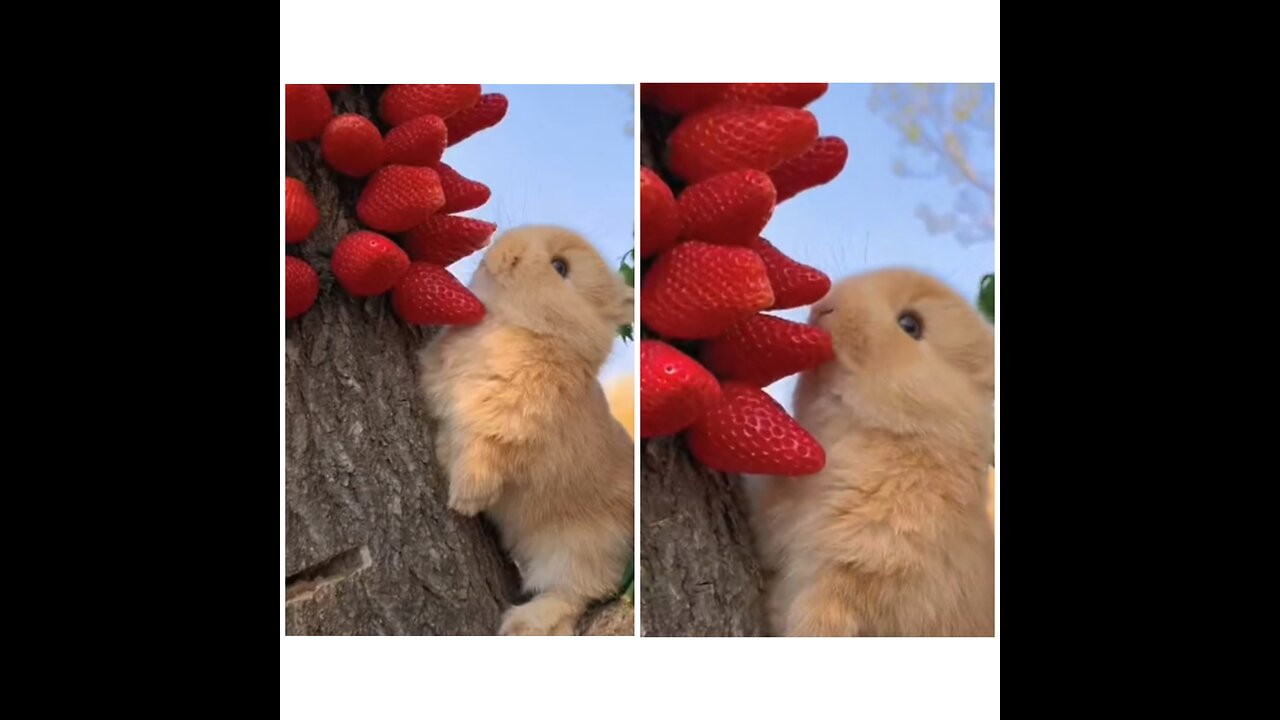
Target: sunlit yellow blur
622, 401
991, 496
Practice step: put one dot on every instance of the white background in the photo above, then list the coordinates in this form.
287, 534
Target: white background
614, 42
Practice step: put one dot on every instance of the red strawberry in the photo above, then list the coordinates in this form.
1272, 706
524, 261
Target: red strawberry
763, 349
398, 197
819, 166
659, 214
336, 88
301, 286
727, 209
736, 137
367, 264
352, 145
445, 239
429, 295
795, 95
460, 193
681, 98
300, 213
674, 389
794, 284
696, 290
401, 103
419, 142
306, 111
749, 432
486, 113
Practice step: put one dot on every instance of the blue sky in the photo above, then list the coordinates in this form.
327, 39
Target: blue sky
865, 219
561, 156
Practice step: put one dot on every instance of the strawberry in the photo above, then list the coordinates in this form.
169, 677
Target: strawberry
367, 264
460, 193
733, 136
749, 432
306, 111
674, 389
445, 239
336, 88
398, 197
418, 142
486, 113
352, 145
681, 98
794, 95
794, 284
300, 213
659, 214
727, 209
401, 103
763, 349
819, 166
301, 286
696, 290
429, 295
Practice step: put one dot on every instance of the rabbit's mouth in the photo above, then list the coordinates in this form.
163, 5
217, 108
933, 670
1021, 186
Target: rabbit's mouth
818, 313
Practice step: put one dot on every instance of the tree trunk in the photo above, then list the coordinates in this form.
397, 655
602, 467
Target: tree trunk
370, 545
698, 569
699, 572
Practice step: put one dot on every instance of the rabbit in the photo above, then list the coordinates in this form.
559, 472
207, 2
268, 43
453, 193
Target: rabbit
892, 537
525, 433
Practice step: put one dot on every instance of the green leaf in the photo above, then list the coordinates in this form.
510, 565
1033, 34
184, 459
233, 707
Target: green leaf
629, 274
627, 269
987, 297
629, 582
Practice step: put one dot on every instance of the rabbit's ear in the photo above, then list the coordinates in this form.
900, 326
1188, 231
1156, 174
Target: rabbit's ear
622, 310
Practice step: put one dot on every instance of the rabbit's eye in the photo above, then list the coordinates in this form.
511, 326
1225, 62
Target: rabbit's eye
560, 267
911, 324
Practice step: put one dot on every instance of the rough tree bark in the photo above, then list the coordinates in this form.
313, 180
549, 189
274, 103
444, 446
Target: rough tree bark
699, 573
370, 546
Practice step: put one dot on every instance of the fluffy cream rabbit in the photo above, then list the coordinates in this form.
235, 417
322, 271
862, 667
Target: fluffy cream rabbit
526, 434
893, 537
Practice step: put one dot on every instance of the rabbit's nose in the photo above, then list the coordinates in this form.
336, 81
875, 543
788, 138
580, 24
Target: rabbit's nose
502, 263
